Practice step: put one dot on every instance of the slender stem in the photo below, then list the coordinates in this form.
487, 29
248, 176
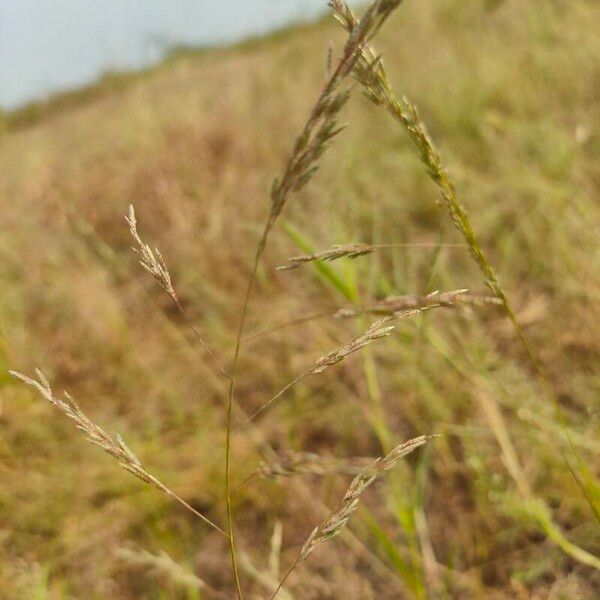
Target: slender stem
197, 335
230, 399
319, 128
192, 509
293, 323
285, 578
280, 393
230, 529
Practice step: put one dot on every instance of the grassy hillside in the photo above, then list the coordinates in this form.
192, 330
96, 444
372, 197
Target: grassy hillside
510, 91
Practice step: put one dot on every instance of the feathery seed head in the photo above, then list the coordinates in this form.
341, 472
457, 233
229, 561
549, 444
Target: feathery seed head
376, 331
341, 514
151, 260
406, 306
336, 252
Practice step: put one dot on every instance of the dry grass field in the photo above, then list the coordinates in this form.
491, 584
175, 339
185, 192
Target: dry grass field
503, 504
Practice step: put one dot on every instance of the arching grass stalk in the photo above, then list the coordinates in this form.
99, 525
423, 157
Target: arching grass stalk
320, 128
371, 75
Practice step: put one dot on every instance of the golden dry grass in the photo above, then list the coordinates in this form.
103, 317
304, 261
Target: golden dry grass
510, 91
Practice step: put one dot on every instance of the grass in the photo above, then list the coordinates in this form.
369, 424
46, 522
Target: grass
491, 508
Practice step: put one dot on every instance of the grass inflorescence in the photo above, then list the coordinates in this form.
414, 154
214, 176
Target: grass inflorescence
362, 350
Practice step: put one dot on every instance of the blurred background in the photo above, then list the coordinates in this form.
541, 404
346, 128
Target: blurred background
188, 109
47, 46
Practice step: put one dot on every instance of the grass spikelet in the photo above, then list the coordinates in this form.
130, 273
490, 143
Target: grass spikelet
352, 251
334, 253
151, 260
321, 126
413, 304
340, 515
379, 329
115, 447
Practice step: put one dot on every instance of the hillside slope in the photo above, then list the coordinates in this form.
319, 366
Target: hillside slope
511, 92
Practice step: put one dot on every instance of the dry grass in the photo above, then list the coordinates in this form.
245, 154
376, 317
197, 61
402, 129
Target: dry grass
489, 510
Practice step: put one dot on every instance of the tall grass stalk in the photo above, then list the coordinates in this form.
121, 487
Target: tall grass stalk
320, 128
352, 251
420, 571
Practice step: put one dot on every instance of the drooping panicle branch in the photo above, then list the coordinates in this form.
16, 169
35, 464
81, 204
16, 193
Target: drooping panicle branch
334, 253
341, 514
115, 447
352, 251
153, 262
379, 329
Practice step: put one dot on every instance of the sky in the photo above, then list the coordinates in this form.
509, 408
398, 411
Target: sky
47, 46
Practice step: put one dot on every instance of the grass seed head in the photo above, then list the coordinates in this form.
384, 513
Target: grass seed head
151, 260
379, 329
409, 305
340, 515
349, 251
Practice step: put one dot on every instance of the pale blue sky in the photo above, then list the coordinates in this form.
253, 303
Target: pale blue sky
52, 45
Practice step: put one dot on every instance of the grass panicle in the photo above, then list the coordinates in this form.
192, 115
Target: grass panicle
337, 520
322, 126
352, 251
413, 304
115, 447
376, 331
397, 306
334, 253
151, 260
